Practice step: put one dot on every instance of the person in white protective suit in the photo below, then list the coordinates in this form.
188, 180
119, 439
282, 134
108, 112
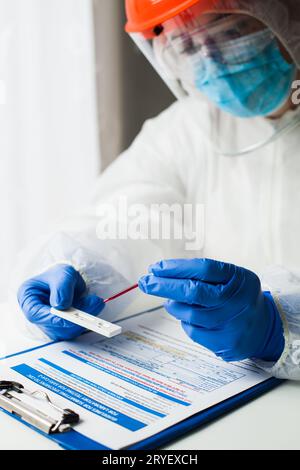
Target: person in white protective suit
226, 154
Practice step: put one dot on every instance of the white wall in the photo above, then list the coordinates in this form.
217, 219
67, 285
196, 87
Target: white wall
49, 155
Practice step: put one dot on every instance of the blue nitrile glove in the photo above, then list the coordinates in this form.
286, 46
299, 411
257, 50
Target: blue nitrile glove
60, 287
221, 307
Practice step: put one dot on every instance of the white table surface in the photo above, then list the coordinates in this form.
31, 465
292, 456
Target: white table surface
269, 422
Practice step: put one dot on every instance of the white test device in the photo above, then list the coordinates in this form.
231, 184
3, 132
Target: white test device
102, 327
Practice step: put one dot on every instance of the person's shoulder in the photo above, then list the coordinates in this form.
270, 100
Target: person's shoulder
186, 108
186, 113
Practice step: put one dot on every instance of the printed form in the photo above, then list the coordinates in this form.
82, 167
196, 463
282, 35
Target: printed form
135, 385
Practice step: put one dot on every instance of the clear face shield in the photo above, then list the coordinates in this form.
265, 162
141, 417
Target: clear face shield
233, 61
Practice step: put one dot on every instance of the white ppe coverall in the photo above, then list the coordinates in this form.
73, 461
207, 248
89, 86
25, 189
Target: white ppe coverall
250, 212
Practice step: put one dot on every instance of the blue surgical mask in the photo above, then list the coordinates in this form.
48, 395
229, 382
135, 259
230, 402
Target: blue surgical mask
251, 79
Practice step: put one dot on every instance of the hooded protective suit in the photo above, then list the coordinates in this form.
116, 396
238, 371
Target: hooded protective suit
248, 207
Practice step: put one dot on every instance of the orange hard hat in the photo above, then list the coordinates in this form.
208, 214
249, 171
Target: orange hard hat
143, 15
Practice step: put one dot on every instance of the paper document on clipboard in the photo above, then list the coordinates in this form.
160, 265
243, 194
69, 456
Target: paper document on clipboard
135, 385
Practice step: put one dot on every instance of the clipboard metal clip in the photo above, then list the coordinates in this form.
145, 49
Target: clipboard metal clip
10, 402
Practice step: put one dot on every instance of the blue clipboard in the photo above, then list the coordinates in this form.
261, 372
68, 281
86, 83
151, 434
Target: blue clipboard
73, 440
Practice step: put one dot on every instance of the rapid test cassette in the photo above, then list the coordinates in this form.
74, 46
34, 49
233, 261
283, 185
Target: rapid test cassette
102, 327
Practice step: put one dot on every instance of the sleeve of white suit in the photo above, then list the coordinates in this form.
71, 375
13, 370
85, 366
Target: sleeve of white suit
143, 183
285, 288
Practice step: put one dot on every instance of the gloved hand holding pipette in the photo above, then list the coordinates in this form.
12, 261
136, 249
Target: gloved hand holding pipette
221, 307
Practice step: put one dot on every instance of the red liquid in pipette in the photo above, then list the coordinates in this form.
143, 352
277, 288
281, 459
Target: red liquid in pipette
121, 293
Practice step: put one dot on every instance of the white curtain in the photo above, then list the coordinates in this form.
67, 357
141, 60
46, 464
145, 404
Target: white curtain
49, 155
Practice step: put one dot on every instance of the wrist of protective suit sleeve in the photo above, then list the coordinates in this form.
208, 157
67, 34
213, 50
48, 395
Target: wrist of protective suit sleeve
274, 343
285, 287
288, 365
76, 266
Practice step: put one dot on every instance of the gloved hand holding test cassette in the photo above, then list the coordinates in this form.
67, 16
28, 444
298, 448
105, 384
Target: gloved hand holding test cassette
91, 323
58, 302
